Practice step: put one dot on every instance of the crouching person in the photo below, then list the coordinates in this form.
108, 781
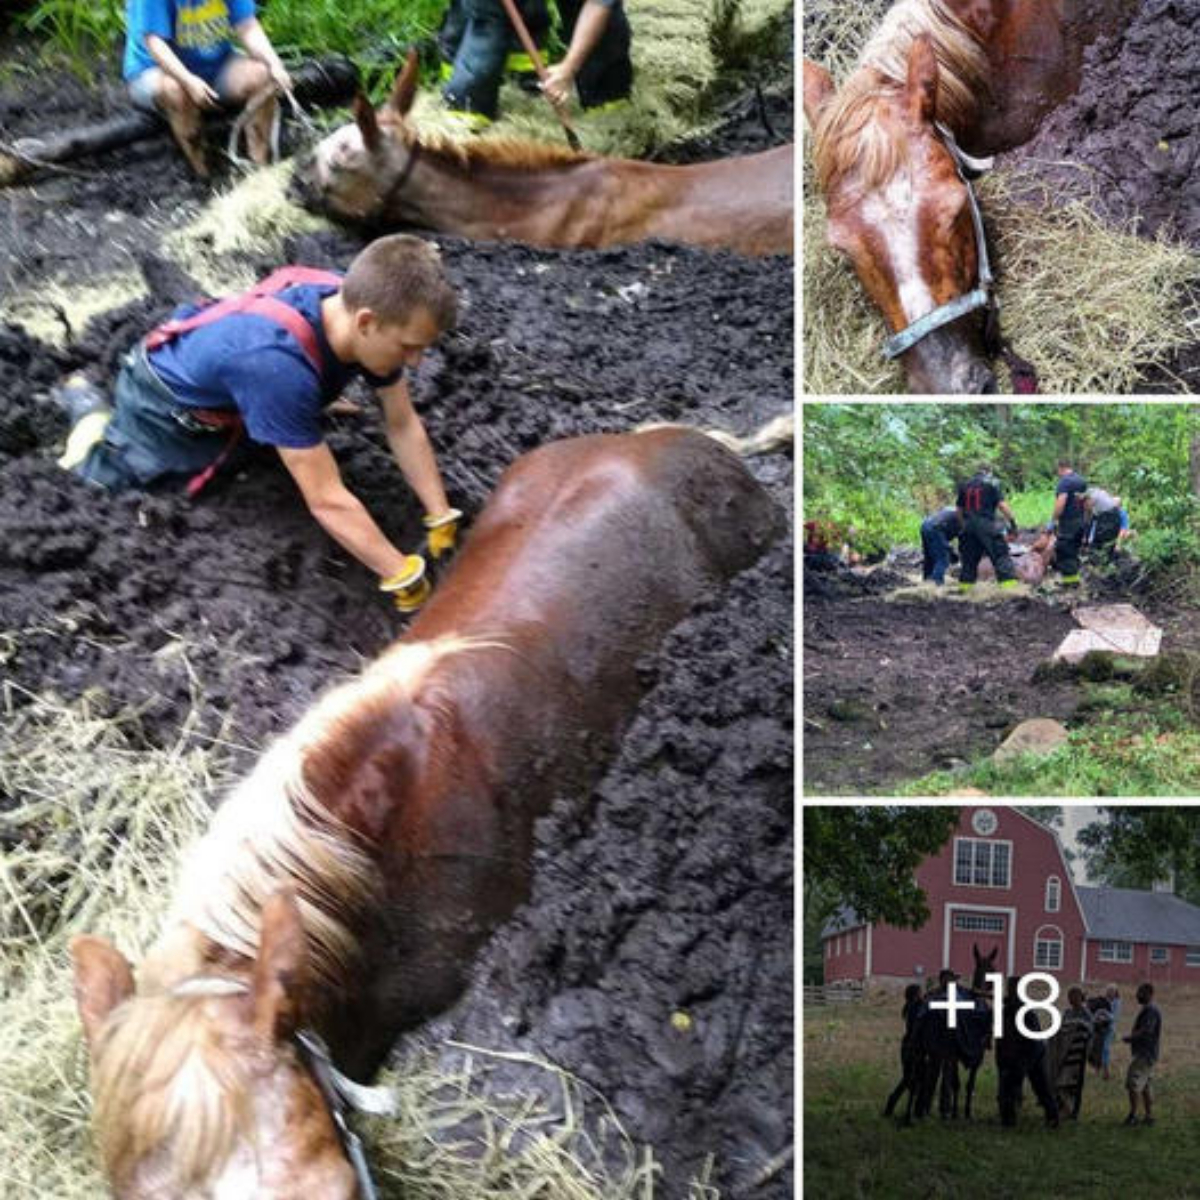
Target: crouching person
937, 532
264, 365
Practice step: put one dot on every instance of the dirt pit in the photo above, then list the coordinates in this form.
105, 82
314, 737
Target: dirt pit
896, 688
667, 890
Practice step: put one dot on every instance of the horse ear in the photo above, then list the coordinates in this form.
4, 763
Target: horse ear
979, 16
103, 980
368, 123
818, 91
404, 90
922, 84
279, 968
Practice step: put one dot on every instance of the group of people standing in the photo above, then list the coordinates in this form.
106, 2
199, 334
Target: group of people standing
980, 518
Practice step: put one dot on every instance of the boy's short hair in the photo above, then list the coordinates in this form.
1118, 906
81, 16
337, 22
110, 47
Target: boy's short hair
397, 275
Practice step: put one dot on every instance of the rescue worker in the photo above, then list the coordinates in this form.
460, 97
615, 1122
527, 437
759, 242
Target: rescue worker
1105, 512
937, 532
181, 60
477, 37
1070, 521
979, 499
265, 368
821, 541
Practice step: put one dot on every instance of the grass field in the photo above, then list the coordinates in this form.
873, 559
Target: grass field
851, 1062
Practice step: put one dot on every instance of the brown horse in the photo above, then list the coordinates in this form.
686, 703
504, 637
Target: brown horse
1031, 565
345, 884
378, 172
937, 75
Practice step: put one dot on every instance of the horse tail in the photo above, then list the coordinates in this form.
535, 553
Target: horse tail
779, 433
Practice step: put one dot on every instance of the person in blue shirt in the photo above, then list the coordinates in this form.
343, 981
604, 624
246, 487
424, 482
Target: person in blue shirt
180, 60
937, 532
477, 36
181, 403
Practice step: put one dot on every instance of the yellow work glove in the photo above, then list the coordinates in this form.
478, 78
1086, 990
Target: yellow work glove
408, 588
441, 532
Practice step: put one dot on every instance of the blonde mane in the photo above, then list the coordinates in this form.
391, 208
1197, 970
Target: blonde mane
511, 153
848, 137
163, 1073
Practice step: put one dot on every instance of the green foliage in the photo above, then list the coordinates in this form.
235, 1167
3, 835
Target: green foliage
865, 857
1133, 847
882, 467
79, 30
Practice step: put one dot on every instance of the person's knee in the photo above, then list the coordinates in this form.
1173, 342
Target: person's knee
170, 96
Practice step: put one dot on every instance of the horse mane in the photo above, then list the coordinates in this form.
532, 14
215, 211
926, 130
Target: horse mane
847, 136
508, 153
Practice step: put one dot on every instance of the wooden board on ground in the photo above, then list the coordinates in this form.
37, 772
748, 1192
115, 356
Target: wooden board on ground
1117, 628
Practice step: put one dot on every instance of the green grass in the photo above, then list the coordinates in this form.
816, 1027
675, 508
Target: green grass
1152, 752
851, 1063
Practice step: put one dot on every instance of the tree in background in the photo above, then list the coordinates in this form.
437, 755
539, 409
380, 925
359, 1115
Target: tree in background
1136, 847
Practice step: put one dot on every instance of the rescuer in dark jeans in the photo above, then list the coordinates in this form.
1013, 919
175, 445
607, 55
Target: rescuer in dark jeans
1018, 1056
1070, 520
938, 530
978, 500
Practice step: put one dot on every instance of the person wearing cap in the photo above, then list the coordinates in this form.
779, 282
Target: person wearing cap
198, 386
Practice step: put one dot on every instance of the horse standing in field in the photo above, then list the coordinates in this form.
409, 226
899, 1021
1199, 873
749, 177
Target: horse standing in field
348, 880
938, 1049
936, 76
378, 172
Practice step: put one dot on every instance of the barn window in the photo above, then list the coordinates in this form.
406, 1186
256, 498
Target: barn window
967, 922
1116, 952
1048, 948
1160, 954
1053, 893
1192, 958
982, 864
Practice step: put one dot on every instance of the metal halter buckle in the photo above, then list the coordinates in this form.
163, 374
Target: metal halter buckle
341, 1094
968, 168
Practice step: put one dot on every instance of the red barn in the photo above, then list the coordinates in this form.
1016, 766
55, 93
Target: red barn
1002, 880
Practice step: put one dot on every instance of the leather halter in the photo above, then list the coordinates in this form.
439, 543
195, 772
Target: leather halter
968, 168
385, 201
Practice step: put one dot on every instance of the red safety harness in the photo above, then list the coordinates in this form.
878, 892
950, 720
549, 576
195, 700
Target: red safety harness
261, 300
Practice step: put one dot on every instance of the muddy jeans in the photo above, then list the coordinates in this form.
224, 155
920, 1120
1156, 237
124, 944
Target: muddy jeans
935, 551
1066, 549
478, 35
150, 436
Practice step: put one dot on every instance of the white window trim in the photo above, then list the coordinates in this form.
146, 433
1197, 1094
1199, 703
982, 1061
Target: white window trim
1104, 956
1059, 941
953, 906
997, 887
1166, 956
1191, 956
979, 929
1057, 906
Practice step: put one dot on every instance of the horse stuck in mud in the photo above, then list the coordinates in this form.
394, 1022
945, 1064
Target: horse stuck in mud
378, 172
936, 76
348, 880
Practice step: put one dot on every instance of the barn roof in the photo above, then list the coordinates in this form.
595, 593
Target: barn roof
1129, 915
843, 918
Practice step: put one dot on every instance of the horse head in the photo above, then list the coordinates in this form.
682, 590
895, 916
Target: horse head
199, 1090
984, 963
355, 172
900, 209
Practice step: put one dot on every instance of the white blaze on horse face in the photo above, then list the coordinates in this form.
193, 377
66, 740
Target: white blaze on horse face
340, 149
893, 213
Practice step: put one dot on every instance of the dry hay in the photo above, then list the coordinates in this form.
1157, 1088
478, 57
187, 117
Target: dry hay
56, 312
1090, 305
92, 825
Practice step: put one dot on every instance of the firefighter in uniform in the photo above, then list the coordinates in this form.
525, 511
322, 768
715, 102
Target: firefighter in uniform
1070, 520
978, 501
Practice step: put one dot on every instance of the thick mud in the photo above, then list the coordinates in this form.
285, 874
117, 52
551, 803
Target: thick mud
894, 688
667, 890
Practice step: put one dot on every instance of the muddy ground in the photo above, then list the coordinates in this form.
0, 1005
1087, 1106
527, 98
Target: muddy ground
894, 689
669, 888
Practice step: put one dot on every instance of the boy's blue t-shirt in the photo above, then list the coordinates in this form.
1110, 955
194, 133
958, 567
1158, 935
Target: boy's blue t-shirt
249, 363
199, 31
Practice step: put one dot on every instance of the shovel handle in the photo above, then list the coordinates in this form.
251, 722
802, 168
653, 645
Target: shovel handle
530, 48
